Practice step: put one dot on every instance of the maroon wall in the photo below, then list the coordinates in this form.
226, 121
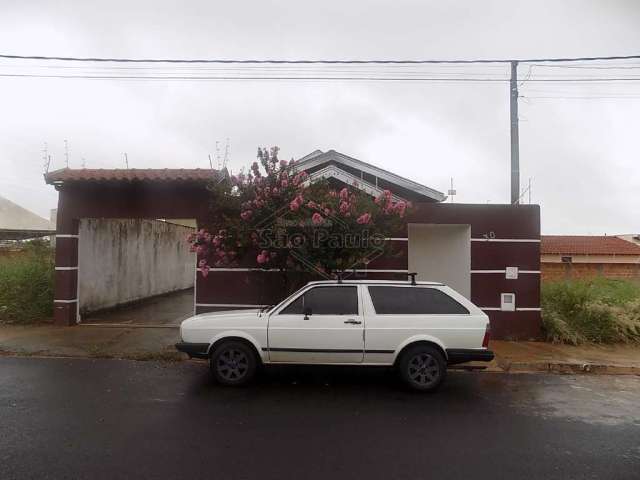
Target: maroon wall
502, 236
495, 231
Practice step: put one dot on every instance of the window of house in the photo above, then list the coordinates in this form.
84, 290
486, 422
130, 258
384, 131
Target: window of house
566, 259
325, 301
413, 301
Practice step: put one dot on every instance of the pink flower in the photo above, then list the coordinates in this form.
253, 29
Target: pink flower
263, 257
284, 183
246, 215
317, 219
294, 205
344, 207
400, 208
312, 204
205, 270
364, 218
344, 194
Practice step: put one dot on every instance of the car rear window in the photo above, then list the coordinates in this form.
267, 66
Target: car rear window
413, 301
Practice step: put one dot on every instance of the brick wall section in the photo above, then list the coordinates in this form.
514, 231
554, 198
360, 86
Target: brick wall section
565, 271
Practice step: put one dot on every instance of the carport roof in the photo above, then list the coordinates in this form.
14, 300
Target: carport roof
131, 175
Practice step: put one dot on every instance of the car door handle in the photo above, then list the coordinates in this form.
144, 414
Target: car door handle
351, 321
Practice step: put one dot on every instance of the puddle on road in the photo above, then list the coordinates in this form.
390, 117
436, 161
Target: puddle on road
603, 400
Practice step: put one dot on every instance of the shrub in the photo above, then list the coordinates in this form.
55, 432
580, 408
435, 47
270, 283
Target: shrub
598, 310
26, 285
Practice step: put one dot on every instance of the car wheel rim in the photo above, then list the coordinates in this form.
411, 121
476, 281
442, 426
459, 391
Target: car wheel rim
232, 364
424, 369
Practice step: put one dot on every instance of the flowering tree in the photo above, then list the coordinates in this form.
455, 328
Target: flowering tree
273, 216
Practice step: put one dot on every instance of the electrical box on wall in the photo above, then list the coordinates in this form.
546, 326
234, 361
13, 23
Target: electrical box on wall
511, 273
508, 302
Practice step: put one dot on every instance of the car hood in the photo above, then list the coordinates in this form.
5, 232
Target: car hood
238, 318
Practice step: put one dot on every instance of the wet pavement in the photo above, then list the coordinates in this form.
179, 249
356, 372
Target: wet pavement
75, 418
166, 310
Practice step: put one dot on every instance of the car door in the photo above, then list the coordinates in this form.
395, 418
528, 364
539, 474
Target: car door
332, 331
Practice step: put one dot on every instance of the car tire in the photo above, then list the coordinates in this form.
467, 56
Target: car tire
233, 363
422, 368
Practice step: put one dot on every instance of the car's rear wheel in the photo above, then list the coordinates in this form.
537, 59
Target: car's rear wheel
233, 363
423, 368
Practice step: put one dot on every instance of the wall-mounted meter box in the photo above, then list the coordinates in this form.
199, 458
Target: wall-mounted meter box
508, 302
511, 273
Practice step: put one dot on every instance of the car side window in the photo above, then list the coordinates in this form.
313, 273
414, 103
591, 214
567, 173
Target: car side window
325, 301
389, 300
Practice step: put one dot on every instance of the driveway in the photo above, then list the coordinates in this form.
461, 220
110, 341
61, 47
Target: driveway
166, 310
82, 418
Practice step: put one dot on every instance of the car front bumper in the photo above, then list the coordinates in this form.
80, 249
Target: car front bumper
462, 355
194, 350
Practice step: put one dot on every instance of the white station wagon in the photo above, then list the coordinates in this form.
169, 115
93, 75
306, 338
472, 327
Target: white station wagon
419, 328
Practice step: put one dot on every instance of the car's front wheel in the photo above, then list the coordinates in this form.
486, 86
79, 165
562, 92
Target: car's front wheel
422, 367
233, 363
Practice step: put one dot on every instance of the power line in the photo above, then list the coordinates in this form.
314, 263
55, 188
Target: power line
302, 77
300, 61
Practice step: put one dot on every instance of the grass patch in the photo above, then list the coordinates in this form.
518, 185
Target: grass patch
26, 285
598, 310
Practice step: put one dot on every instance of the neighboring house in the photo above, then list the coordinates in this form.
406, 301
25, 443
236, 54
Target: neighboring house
573, 256
489, 253
18, 223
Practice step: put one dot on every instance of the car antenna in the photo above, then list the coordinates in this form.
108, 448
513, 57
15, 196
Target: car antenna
413, 277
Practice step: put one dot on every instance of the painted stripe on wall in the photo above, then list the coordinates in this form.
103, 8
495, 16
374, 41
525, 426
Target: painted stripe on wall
512, 240
240, 305
504, 271
521, 309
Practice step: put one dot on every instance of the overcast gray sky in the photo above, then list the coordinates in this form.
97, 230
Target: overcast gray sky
582, 153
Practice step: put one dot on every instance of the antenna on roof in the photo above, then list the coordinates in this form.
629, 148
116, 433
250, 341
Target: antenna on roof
413, 277
46, 158
452, 191
66, 153
226, 154
126, 160
218, 154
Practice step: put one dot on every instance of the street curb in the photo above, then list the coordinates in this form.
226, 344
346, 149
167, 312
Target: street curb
567, 368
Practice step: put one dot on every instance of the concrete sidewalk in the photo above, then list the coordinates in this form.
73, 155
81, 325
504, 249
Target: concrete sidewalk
620, 359
149, 343
136, 343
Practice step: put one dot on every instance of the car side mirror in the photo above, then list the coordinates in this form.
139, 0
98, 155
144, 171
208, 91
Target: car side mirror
307, 312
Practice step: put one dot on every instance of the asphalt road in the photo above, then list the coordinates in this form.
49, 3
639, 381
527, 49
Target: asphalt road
94, 419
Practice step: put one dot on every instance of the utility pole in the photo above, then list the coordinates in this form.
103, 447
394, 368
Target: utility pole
515, 137
66, 153
126, 160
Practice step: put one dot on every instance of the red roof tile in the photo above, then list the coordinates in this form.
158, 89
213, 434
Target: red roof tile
587, 245
130, 175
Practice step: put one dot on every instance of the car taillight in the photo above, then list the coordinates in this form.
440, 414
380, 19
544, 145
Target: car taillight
487, 335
